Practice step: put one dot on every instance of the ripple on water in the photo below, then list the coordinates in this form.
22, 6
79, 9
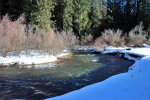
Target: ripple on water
48, 80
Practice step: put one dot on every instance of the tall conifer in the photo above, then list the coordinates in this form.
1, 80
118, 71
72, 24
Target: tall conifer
67, 15
96, 15
41, 14
81, 20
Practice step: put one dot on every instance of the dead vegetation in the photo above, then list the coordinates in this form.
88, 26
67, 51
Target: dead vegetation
110, 37
137, 37
15, 36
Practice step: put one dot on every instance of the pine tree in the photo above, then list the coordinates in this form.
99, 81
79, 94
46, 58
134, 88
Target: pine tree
67, 15
109, 18
41, 14
129, 19
1, 8
81, 20
14, 8
58, 15
146, 12
27, 9
96, 15
143, 11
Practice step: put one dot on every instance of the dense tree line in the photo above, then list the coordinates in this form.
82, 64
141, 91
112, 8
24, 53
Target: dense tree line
126, 14
82, 17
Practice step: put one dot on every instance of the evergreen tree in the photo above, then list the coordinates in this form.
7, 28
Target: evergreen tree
58, 15
81, 20
96, 15
27, 9
15, 8
109, 17
1, 8
41, 14
67, 15
81, 16
145, 12
129, 19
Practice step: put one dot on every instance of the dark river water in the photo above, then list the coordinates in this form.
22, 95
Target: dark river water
49, 80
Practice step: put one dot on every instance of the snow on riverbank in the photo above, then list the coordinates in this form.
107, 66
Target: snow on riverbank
133, 85
86, 48
143, 51
33, 57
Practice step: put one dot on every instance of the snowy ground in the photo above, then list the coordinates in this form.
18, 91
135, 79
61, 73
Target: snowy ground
143, 51
86, 48
33, 57
133, 85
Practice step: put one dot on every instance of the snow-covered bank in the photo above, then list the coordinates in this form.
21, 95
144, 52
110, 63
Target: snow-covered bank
86, 48
133, 85
32, 57
139, 52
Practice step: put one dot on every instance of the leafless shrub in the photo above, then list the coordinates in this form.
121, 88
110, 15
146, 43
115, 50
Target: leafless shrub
99, 43
70, 39
110, 37
15, 36
137, 36
86, 40
12, 35
50, 42
148, 42
148, 32
148, 36
58, 43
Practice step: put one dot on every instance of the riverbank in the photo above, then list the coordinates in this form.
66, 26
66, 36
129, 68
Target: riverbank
43, 81
132, 85
36, 57
32, 57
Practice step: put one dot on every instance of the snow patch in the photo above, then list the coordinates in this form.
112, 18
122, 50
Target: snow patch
133, 85
29, 58
86, 48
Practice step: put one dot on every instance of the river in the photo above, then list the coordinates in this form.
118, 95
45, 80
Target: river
48, 80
